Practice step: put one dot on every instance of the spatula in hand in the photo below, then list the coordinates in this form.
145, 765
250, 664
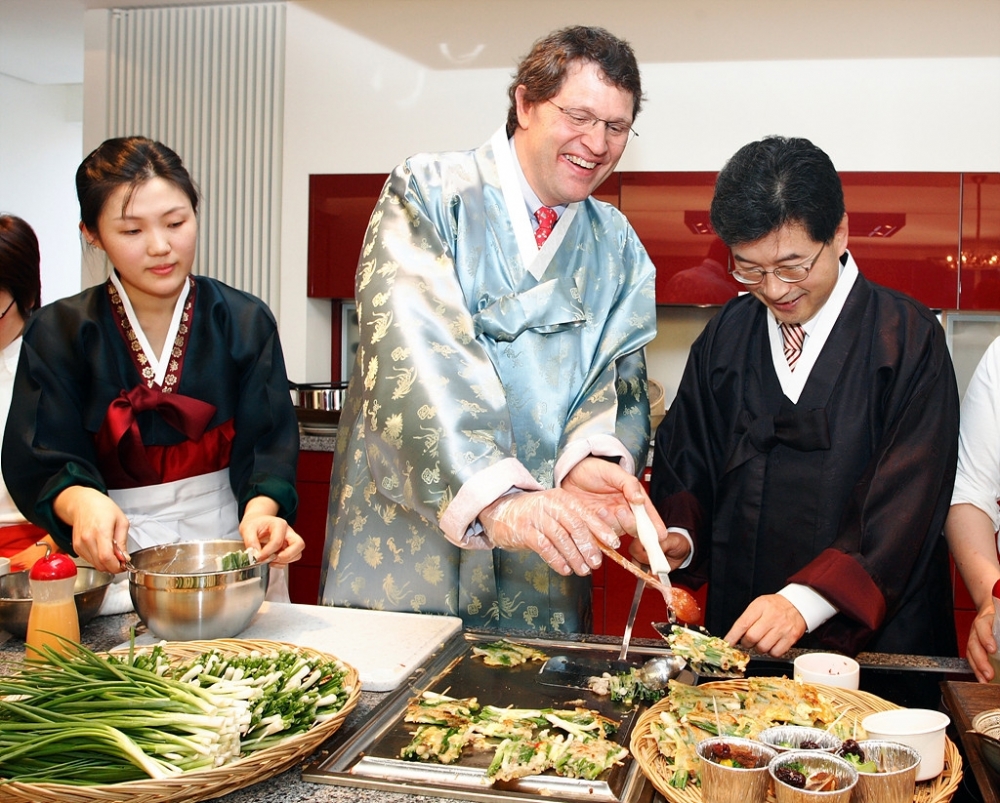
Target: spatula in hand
658, 564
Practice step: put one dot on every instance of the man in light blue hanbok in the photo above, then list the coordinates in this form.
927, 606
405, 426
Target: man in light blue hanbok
497, 414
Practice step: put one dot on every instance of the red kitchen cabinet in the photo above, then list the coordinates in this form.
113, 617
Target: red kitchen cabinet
669, 212
904, 233
339, 209
980, 250
313, 486
609, 190
935, 236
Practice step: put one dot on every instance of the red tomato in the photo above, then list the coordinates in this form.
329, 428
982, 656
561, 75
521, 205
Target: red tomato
53, 567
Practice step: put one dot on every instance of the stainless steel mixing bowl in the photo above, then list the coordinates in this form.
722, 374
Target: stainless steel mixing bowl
181, 594
15, 598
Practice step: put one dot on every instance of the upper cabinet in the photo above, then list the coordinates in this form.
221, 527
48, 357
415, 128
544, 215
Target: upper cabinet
669, 212
339, 209
905, 231
935, 236
980, 252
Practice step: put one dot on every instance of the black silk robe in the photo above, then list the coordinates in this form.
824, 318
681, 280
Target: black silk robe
75, 362
845, 491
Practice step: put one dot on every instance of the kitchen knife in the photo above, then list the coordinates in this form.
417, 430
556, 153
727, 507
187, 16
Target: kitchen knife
658, 564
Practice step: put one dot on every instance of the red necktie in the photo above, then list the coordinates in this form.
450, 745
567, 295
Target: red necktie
546, 220
794, 336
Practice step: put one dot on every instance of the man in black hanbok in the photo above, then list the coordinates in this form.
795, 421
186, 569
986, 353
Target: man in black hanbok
811, 466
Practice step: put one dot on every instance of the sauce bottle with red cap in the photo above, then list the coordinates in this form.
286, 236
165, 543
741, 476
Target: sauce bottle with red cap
53, 608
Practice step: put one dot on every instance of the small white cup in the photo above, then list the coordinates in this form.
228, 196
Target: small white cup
4, 566
920, 728
827, 668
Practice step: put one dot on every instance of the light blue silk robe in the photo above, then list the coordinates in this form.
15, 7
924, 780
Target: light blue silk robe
482, 358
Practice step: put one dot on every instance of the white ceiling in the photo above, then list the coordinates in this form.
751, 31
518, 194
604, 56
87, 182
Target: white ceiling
41, 41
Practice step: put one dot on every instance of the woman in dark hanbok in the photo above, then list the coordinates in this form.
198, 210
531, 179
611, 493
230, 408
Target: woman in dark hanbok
154, 407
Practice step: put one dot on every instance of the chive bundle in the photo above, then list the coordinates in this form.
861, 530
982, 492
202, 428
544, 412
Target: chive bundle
85, 719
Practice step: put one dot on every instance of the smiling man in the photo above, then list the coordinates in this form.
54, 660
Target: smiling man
497, 414
810, 452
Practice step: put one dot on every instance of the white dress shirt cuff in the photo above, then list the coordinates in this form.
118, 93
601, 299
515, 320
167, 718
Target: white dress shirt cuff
690, 540
813, 607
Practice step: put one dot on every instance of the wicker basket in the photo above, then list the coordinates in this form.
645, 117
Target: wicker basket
202, 784
654, 765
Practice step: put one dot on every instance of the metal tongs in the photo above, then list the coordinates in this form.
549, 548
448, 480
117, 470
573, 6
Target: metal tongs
659, 567
125, 559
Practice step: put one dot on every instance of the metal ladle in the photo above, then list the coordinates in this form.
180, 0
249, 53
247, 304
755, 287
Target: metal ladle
658, 671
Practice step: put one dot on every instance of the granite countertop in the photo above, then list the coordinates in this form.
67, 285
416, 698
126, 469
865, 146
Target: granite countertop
317, 443
106, 632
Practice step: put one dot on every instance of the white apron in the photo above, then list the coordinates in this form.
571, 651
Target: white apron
201, 508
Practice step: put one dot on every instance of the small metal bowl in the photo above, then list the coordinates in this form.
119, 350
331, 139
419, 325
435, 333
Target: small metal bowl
747, 783
896, 778
15, 598
180, 593
792, 737
987, 728
811, 761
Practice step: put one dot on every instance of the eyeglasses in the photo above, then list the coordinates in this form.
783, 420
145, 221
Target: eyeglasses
11, 304
786, 273
615, 131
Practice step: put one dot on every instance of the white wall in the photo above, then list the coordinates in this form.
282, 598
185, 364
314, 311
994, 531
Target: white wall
353, 105
40, 146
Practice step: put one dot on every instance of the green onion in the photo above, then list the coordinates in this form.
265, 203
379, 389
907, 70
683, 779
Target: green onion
88, 719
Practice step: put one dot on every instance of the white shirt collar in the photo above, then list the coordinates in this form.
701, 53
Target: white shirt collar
531, 200
9, 356
817, 331
535, 259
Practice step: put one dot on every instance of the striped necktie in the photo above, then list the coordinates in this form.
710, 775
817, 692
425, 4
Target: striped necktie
546, 220
793, 335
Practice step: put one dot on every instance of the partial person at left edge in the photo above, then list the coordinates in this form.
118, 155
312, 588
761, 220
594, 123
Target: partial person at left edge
154, 407
20, 296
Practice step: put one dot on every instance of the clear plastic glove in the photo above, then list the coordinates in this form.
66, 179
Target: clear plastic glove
608, 490
553, 523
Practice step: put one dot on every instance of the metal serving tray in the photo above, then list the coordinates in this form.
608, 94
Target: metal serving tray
369, 757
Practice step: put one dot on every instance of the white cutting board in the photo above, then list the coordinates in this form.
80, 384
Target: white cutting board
385, 647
